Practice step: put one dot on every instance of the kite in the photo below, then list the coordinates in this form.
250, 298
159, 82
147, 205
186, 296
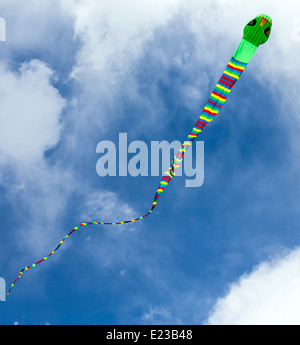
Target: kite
256, 32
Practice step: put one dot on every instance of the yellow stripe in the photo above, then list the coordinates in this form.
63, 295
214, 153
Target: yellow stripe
231, 75
236, 66
218, 98
196, 130
215, 112
205, 118
223, 88
186, 143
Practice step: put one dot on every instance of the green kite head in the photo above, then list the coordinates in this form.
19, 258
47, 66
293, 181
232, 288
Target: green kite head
258, 30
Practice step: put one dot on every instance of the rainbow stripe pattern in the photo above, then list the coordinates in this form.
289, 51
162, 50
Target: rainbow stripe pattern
214, 104
218, 97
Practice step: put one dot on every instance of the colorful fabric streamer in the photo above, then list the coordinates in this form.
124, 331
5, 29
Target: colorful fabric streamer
256, 32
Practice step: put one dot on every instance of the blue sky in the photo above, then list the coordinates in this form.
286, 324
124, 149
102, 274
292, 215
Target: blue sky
75, 73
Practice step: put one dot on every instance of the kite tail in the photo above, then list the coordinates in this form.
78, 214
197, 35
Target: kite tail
214, 104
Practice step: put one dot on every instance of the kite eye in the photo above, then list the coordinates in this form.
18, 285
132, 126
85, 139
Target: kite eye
267, 32
252, 23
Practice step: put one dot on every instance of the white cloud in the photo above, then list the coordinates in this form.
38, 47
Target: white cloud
113, 32
41, 205
156, 315
105, 207
30, 109
108, 247
113, 36
123, 273
269, 295
30, 117
36, 26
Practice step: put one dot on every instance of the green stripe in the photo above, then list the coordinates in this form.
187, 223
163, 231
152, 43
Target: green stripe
217, 99
232, 72
226, 93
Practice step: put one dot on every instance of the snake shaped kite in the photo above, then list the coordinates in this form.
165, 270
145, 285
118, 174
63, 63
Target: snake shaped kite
256, 32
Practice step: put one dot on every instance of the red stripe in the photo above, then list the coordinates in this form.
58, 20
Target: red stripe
202, 123
237, 69
209, 112
225, 83
215, 104
219, 95
198, 126
233, 82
